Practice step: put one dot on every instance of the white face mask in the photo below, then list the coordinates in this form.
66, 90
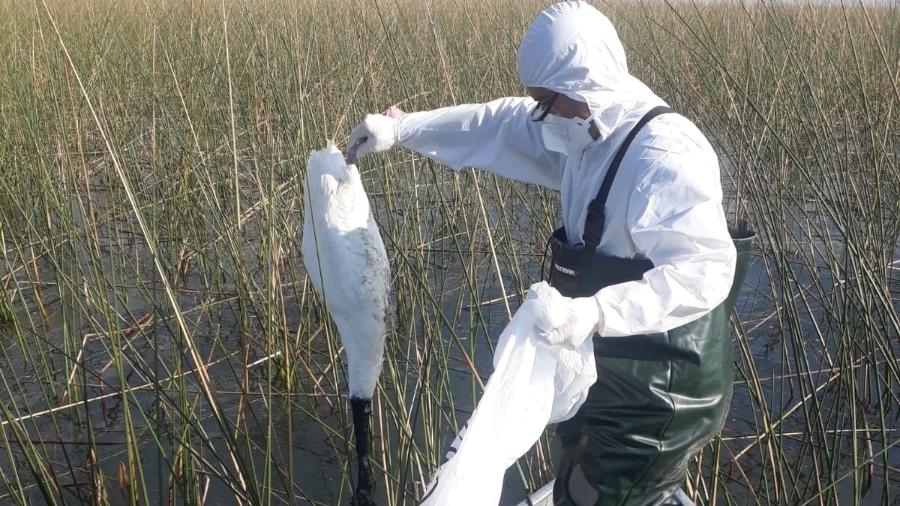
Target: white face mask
568, 136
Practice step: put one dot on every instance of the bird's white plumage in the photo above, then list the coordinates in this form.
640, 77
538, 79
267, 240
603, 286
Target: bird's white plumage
346, 262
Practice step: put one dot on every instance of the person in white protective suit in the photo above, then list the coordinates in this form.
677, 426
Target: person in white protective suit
644, 256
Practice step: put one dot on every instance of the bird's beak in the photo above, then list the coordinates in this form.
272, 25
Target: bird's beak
351, 152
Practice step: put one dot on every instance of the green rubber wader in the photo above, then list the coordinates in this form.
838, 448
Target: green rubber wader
658, 397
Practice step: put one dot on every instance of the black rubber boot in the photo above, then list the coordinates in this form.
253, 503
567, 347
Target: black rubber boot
362, 408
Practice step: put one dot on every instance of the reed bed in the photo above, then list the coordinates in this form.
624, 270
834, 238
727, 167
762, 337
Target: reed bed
161, 343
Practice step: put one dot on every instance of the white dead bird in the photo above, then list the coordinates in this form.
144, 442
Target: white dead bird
348, 266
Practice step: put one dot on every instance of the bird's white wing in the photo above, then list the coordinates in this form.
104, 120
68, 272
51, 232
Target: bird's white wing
342, 246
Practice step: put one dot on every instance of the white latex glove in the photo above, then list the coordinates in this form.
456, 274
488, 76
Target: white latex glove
565, 320
378, 132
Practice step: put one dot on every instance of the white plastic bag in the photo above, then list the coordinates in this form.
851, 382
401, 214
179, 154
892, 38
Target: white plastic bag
533, 384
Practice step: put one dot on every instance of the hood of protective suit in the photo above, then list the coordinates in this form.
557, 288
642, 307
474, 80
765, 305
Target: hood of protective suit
573, 49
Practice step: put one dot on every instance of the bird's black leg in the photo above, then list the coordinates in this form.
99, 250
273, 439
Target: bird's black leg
362, 408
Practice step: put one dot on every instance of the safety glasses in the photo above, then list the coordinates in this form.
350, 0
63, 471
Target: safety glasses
541, 110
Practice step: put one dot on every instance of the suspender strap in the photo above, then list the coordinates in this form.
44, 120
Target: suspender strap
593, 225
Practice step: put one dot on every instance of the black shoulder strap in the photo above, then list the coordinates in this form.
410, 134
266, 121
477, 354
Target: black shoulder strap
593, 225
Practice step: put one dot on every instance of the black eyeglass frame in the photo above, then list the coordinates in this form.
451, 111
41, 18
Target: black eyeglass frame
546, 110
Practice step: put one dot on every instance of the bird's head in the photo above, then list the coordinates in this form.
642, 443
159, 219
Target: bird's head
328, 161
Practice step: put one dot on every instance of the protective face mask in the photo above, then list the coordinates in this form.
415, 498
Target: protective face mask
568, 136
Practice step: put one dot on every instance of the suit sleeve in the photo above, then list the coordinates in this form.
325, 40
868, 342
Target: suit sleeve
496, 136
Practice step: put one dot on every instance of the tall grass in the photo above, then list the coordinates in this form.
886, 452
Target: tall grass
160, 341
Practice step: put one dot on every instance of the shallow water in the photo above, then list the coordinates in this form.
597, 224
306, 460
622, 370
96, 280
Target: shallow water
319, 420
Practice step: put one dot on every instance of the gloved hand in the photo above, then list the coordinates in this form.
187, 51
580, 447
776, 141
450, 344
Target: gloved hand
564, 320
378, 132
